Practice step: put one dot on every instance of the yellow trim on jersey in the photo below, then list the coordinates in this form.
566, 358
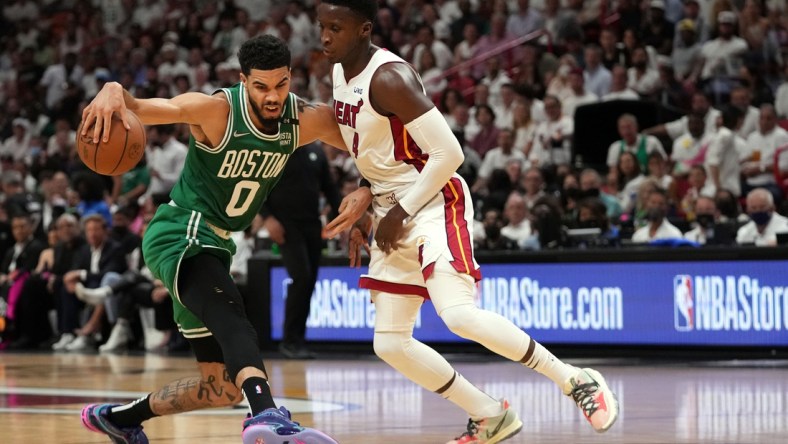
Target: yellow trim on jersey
457, 226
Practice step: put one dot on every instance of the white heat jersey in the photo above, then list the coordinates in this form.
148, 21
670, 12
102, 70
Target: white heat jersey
387, 156
383, 151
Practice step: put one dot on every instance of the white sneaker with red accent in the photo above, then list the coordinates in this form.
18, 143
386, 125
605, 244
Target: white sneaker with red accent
595, 399
491, 430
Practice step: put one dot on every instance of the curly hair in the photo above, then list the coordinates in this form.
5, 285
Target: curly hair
367, 9
264, 52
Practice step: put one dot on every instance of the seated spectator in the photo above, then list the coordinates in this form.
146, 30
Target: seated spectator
449, 99
619, 89
591, 187
130, 291
764, 223
591, 213
629, 180
34, 303
532, 185
553, 137
99, 259
15, 269
131, 185
431, 75
494, 240
722, 158
781, 97
497, 158
68, 307
640, 145
758, 158
612, 54
165, 158
487, 137
642, 77
658, 226
498, 190
515, 213
690, 149
658, 170
90, 189
524, 127
504, 111
17, 146
657, 31
495, 78
597, 77
729, 208
686, 49
722, 56
546, 217
698, 186
708, 229
578, 95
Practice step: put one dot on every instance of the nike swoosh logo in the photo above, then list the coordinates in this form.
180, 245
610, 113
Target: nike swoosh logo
498, 428
237, 134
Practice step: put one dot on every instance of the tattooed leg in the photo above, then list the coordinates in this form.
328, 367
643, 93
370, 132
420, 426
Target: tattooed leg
212, 389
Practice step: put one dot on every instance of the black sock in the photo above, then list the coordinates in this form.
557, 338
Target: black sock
133, 413
258, 394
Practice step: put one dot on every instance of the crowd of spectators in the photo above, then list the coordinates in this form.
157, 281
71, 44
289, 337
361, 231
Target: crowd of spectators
508, 75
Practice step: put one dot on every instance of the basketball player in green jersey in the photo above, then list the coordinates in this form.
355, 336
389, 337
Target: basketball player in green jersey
241, 138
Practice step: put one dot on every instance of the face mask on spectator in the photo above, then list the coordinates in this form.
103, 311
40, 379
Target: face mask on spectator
492, 232
761, 217
705, 220
591, 192
120, 230
656, 214
588, 224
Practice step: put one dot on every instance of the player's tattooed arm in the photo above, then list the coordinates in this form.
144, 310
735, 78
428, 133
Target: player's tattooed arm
303, 105
317, 122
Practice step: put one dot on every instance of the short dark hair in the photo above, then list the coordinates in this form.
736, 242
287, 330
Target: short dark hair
264, 52
367, 9
731, 116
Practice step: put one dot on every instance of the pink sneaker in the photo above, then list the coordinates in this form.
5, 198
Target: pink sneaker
595, 399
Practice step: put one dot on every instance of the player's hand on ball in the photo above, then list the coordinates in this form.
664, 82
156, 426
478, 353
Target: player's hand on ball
353, 206
391, 229
98, 113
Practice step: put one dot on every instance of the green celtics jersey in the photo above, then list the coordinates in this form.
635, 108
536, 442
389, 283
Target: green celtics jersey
228, 183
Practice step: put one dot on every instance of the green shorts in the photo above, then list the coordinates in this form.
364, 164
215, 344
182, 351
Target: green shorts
173, 235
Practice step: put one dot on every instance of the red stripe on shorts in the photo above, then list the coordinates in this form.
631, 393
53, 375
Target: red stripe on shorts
391, 287
459, 238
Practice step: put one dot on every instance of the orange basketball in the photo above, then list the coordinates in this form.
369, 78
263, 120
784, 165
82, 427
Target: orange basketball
120, 153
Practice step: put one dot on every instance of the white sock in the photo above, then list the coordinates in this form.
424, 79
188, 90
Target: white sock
471, 399
540, 359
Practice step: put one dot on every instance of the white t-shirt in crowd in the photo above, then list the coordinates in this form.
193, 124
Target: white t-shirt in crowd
666, 230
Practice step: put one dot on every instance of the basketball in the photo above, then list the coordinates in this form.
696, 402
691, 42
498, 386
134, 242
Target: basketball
120, 153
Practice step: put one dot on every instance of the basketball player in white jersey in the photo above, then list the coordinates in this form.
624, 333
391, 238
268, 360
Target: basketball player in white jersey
404, 148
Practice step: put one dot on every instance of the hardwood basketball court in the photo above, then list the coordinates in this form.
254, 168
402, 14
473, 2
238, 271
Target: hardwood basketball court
363, 401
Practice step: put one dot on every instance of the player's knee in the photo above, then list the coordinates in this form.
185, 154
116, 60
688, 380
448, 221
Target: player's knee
390, 346
460, 319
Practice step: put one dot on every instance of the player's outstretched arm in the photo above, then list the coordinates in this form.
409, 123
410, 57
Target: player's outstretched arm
192, 108
395, 90
318, 123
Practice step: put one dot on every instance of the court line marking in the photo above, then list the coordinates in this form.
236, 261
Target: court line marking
295, 405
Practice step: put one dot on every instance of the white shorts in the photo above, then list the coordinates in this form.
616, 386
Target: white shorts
443, 227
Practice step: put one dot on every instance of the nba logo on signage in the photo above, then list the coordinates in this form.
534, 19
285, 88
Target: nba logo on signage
683, 303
